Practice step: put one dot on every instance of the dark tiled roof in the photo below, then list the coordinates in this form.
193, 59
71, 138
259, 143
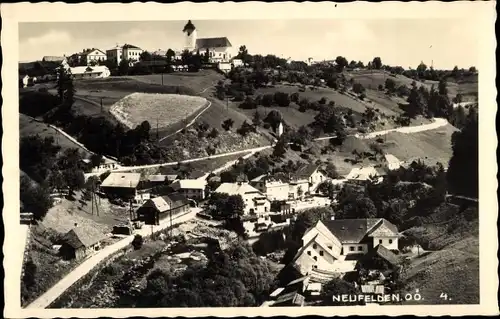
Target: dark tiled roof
306, 171
351, 230
78, 237
204, 43
293, 297
130, 46
384, 253
176, 200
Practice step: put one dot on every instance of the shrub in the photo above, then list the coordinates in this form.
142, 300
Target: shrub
267, 100
294, 97
322, 101
282, 99
137, 242
358, 88
380, 87
239, 96
248, 104
362, 96
213, 133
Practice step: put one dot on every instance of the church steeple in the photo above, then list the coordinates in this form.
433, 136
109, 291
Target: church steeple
189, 28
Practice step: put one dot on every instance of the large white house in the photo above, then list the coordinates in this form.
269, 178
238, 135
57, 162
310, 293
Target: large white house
332, 240
128, 51
256, 203
218, 48
90, 56
275, 188
307, 179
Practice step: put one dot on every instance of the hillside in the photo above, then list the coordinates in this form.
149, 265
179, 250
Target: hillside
451, 238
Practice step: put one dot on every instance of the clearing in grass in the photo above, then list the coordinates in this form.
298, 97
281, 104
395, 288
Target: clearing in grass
165, 109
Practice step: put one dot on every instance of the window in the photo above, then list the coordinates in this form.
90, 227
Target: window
315, 267
360, 248
315, 258
380, 241
315, 246
309, 252
351, 248
321, 253
390, 241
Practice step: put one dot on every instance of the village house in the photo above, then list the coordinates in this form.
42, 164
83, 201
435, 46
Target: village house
274, 187
306, 180
217, 48
328, 242
161, 207
79, 243
256, 202
151, 181
131, 52
115, 54
88, 57
90, 72
361, 175
392, 162
123, 185
191, 188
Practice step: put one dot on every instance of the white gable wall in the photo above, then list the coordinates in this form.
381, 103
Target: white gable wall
389, 242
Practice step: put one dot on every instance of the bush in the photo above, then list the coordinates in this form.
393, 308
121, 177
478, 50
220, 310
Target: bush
380, 87
248, 104
282, 99
358, 88
267, 100
322, 101
239, 96
294, 97
137, 242
213, 133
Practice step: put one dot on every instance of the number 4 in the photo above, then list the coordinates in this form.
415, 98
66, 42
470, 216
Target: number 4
444, 296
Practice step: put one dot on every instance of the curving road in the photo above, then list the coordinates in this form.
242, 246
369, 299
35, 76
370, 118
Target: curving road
81, 270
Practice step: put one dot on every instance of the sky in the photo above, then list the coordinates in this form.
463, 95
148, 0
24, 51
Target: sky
405, 42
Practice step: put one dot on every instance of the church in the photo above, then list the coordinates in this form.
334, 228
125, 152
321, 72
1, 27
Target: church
219, 49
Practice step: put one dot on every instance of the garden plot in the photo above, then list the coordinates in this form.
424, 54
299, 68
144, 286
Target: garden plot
164, 109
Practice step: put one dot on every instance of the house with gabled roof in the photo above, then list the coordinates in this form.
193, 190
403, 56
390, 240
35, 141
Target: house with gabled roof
255, 201
79, 243
308, 177
275, 187
328, 241
163, 206
217, 48
191, 188
379, 258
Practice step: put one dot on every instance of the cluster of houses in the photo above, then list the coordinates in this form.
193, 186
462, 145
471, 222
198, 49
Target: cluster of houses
363, 251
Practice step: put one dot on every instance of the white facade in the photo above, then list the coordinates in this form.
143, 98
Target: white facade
95, 56
216, 55
115, 54
132, 54
322, 255
274, 190
349, 249
255, 202
190, 40
280, 129
386, 241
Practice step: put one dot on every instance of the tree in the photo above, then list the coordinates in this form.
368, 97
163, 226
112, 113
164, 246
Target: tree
137, 242
243, 54
337, 287
341, 63
206, 57
281, 99
227, 124
331, 170
124, 67
35, 198
245, 129
280, 148
327, 188
300, 191
170, 55
377, 63
65, 88
462, 172
472, 69
145, 56
358, 88
96, 160
257, 118
421, 68
390, 85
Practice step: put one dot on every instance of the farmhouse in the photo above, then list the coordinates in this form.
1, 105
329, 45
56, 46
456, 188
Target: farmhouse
121, 184
218, 49
163, 206
328, 243
274, 188
306, 179
363, 174
256, 203
78, 243
191, 188
90, 72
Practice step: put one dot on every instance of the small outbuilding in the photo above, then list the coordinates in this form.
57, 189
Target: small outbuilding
79, 243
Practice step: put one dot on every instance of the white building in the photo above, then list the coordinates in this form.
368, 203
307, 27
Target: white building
255, 202
89, 72
127, 51
218, 48
191, 188
392, 162
308, 178
274, 188
330, 241
91, 56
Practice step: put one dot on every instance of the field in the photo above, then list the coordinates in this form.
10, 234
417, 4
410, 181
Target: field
27, 127
195, 81
430, 146
162, 109
453, 237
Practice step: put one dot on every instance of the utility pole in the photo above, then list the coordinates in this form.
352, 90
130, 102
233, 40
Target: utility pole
162, 78
101, 106
157, 134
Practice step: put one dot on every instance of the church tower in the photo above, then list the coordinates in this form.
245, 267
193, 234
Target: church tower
190, 32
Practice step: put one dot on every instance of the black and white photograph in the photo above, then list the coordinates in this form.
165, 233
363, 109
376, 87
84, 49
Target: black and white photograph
305, 162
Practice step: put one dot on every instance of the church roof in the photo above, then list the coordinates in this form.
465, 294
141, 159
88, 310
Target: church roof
205, 43
189, 27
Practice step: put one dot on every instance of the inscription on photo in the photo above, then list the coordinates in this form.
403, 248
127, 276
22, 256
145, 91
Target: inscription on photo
250, 163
